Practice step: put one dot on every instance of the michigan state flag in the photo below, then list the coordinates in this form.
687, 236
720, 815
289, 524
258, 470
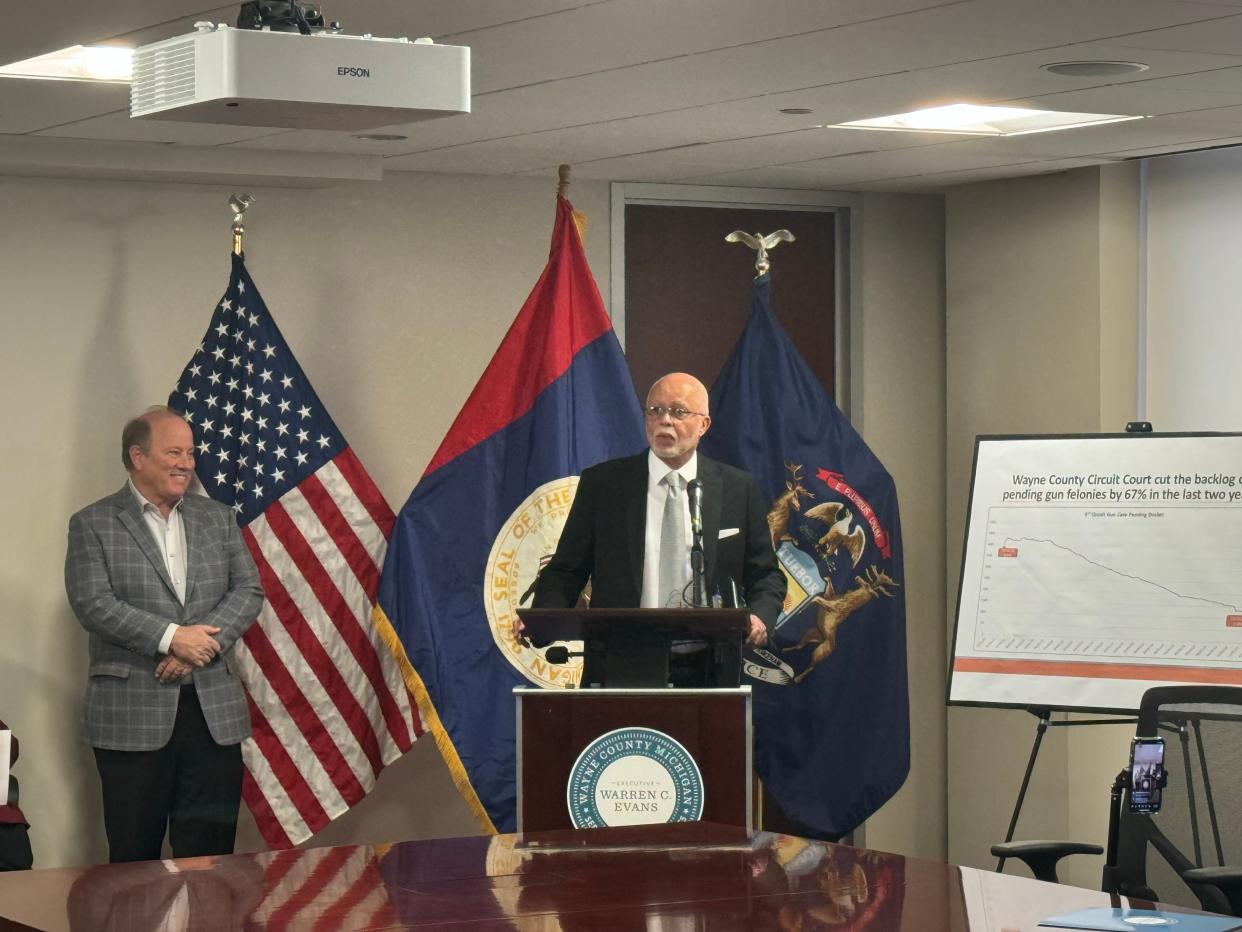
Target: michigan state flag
831, 718
555, 398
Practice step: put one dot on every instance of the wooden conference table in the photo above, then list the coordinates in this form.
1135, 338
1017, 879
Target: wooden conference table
690, 876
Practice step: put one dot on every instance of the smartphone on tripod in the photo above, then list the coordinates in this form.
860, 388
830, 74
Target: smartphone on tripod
1146, 774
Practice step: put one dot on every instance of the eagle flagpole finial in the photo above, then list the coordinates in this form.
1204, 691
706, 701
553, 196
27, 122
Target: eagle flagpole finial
238, 203
761, 244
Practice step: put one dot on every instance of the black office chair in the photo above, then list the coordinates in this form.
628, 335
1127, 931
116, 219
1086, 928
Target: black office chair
1190, 852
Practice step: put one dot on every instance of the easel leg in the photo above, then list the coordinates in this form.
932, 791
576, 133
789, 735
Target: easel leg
1040, 729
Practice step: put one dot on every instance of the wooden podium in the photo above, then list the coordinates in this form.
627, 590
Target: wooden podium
628, 749
629, 647
556, 726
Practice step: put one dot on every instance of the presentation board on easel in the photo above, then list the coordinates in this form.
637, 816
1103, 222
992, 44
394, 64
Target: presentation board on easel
1096, 566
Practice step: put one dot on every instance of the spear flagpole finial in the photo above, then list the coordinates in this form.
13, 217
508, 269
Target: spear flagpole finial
761, 245
562, 186
238, 203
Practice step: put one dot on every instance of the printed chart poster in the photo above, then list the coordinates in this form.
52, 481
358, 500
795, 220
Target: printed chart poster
1098, 566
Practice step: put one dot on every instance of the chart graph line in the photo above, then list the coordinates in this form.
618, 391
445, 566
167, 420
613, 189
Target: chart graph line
1117, 572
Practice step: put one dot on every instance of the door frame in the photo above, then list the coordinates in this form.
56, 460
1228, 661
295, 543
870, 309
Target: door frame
847, 212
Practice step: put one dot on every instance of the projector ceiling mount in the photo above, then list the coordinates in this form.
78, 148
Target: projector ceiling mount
284, 16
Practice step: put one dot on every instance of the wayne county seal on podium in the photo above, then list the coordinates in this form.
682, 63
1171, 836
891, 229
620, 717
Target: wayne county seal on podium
634, 776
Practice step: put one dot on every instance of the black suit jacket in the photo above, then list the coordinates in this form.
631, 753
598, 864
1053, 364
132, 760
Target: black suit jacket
603, 539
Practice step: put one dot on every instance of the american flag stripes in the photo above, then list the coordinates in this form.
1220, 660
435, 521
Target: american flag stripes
328, 704
324, 888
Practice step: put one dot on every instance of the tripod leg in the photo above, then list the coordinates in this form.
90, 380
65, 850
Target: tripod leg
1108, 880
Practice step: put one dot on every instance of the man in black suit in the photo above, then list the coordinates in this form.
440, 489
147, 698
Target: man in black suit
621, 532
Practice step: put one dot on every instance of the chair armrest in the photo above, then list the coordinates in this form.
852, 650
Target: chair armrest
1228, 880
1042, 856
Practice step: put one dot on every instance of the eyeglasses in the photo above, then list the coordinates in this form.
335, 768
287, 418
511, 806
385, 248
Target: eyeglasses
676, 412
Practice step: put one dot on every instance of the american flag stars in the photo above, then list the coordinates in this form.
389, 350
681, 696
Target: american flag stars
242, 368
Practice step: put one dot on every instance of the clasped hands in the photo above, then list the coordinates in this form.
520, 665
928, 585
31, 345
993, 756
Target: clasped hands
192, 646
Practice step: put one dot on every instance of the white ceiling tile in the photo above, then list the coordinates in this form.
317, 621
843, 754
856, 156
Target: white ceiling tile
119, 126
898, 162
415, 18
1236, 4
1056, 22
935, 182
623, 33
774, 177
1222, 36
1140, 100
1219, 142
916, 185
26, 106
1221, 80
611, 141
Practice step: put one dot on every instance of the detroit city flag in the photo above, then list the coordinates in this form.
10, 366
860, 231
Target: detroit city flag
555, 398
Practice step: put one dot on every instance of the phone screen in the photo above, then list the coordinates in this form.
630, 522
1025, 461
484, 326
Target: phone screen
1146, 774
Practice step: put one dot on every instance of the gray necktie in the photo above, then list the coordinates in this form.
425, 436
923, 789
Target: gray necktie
674, 567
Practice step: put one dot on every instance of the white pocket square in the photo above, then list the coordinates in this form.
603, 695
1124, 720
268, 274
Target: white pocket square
727, 532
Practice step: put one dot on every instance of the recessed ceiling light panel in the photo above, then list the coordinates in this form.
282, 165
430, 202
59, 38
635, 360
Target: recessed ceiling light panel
978, 120
76, 63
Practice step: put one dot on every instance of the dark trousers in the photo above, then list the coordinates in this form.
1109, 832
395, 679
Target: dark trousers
190, 787
15, 854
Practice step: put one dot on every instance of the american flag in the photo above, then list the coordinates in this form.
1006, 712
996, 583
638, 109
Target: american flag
328, 701
324, 888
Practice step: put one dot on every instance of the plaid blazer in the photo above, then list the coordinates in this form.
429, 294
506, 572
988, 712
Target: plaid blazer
121, 593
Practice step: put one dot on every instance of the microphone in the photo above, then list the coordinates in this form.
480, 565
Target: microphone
698, 578
559, 654
694, 489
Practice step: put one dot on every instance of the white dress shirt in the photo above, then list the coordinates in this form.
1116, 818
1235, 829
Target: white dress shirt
169, 535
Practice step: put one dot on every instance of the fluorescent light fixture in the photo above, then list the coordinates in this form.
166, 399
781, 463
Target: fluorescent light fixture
76, 63
978, 120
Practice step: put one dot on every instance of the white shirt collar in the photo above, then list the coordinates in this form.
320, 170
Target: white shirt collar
144, 503
657, 469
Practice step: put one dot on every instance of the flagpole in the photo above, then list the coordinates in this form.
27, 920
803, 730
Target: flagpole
238, 203
562, 187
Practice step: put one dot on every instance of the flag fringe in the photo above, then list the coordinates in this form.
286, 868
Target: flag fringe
431, 719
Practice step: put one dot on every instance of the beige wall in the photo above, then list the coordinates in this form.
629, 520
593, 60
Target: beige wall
1041, 338
898, 373
393, 295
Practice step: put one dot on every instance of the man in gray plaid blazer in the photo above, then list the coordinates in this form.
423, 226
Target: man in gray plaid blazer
165, 586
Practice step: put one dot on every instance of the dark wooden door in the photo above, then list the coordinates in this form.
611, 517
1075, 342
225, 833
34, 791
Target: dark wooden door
687, 291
